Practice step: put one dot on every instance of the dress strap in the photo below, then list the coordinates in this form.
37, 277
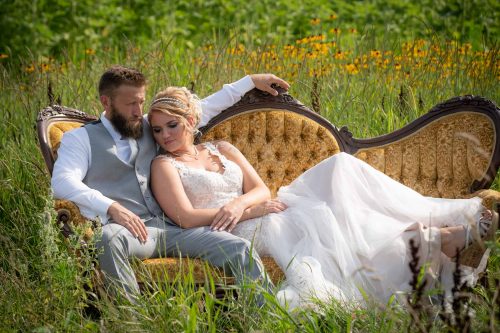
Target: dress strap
177, 164
212, 148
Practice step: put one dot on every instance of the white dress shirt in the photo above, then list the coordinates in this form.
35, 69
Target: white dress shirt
74, 155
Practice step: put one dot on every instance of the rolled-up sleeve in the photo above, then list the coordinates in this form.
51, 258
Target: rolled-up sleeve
69, 171
229, 94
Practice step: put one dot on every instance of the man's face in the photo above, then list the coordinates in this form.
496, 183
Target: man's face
124, 110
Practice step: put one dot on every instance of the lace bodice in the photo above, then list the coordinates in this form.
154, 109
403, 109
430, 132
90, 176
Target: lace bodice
209, 189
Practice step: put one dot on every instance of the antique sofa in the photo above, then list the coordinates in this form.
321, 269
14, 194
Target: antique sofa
453, 151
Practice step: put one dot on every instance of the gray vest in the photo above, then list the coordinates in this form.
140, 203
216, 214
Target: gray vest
122, 182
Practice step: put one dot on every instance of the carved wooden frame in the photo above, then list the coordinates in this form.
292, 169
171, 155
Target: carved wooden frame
49, 115
257, 99
458, 104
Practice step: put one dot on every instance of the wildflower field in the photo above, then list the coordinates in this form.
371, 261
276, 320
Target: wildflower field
372, 66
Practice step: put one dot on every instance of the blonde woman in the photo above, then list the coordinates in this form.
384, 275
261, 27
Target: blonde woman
329, 243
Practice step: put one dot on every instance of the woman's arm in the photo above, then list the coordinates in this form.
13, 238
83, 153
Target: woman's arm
254, 189
263, 208
169, 192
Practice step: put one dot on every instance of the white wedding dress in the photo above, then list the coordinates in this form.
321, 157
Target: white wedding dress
346, 231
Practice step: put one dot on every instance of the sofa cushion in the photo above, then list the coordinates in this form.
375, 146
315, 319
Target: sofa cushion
442, 159
55, 133
279, 144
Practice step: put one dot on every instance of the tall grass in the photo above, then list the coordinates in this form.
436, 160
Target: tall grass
372, 85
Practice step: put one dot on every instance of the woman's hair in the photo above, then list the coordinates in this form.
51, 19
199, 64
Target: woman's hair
178, 102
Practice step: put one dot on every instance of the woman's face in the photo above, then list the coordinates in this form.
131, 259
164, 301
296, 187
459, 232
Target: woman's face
170, 132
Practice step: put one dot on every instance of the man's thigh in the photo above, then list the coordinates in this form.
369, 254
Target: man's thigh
202, 242
119, 238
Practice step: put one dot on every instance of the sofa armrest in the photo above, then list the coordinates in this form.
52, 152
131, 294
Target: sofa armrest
490, 197
69, 219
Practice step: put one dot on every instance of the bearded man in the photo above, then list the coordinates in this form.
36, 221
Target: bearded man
104, 167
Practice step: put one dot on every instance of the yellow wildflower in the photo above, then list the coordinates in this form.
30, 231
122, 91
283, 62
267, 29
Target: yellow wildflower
339, 55
375, 53
30, 69
90, 51
352, 69
333, 16
420, 53
311, 55
315, 21
45, 67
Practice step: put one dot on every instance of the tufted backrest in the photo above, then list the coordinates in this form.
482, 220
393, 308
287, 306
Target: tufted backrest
450, 152
442, 159
52, 123
280, 144
55, 132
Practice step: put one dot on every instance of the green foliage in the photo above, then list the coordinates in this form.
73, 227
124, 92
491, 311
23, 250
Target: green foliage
47, 27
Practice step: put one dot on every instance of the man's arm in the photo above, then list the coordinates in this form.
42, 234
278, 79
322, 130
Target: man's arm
67, 183
69, 170
232, 93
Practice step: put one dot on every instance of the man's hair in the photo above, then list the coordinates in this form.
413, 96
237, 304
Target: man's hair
116, 76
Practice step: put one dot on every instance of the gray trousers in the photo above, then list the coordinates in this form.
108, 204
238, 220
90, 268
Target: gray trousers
117, 246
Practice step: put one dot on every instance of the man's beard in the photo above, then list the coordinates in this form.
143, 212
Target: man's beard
126, 128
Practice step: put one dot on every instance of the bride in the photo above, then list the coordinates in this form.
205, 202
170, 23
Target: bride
340, 230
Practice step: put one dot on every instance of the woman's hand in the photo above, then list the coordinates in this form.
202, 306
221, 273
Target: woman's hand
227, 216
263, 208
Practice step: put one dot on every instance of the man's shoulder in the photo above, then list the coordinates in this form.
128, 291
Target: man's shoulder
79, 134
94, 122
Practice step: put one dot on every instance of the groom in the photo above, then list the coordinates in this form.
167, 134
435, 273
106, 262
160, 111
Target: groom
104, 167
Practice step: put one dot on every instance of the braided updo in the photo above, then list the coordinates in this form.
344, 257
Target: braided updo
178, 102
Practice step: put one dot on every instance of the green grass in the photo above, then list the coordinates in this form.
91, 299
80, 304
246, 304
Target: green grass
42, 282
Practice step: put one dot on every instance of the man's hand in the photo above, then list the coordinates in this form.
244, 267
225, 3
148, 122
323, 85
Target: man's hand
129, 220
264, 81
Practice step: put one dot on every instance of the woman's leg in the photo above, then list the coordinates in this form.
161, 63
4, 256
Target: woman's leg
452, 240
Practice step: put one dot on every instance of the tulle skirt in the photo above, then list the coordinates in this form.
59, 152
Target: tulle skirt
346, 234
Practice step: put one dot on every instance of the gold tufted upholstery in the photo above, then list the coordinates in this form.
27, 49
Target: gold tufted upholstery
440, 160
279, 144
172, 269
56, 131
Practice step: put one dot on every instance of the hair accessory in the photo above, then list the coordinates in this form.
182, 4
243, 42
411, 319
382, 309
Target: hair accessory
169, 100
